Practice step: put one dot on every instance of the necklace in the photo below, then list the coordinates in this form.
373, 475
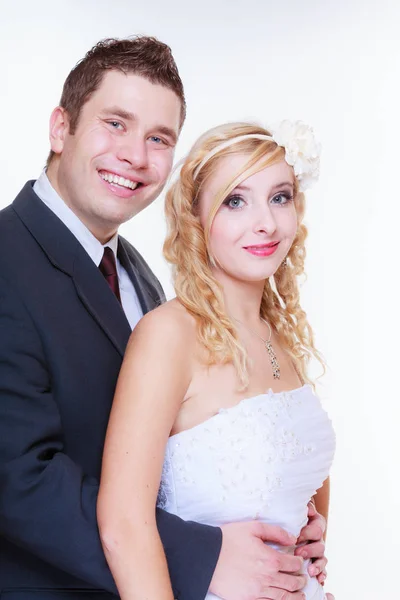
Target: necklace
276, 372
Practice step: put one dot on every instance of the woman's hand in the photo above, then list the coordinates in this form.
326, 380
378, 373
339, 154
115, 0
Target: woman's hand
313, 535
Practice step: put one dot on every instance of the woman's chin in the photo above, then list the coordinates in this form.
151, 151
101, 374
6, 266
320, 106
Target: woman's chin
248, 277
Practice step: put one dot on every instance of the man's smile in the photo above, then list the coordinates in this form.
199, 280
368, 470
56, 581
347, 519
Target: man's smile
119, 180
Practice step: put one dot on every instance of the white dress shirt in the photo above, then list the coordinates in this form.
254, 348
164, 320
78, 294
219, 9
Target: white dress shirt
130, 301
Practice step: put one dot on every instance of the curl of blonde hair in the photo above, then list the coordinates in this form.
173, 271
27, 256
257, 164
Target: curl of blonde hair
187, 248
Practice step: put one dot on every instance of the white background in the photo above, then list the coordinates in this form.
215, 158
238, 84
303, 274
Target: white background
335, 65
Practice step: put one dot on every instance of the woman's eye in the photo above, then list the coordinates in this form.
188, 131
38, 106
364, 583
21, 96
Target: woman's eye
282, 198
234, 202
115, 124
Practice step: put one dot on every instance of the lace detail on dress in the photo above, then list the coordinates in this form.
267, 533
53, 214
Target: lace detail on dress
166, 496
232, 436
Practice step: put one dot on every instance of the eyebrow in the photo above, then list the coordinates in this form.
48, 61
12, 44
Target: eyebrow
245, 188
168, 132
283, 184
119, 112
129, 116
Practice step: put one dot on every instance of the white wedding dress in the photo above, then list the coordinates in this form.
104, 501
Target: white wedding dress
261, 459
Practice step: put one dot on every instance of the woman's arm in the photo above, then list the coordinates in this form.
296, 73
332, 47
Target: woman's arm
152, 384
321, 499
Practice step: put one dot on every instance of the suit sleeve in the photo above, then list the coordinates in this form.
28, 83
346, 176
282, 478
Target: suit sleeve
47, 503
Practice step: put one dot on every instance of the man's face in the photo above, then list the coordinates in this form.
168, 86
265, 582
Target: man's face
117, 161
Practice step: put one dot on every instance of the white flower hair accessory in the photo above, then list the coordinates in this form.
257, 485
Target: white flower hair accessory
302, 151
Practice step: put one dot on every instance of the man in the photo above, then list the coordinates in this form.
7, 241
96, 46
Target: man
71, 290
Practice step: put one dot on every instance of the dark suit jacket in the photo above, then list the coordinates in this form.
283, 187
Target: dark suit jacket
62, 339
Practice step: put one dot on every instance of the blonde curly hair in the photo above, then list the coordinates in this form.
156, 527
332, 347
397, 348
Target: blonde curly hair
187, 248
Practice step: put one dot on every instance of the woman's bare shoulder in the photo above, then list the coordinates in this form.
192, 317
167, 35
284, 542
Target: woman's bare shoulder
170, 321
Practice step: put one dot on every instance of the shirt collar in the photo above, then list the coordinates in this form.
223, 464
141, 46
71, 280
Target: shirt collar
91, 244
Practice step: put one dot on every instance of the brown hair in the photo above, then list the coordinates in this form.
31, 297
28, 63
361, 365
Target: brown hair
140, 55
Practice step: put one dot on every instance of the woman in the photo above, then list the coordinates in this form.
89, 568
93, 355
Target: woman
213, 398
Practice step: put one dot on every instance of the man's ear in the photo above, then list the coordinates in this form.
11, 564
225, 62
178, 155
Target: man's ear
59, 128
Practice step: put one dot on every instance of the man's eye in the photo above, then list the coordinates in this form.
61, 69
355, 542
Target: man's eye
115, 124
157, 140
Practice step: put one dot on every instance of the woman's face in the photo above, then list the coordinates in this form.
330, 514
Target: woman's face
255, 226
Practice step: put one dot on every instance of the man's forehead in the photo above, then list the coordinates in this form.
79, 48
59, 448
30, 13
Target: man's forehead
132, 94
122, 84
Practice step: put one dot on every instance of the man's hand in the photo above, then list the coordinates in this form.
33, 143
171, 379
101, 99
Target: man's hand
314, 549
248, 569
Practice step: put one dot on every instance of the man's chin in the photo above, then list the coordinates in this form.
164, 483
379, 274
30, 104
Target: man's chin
117, 218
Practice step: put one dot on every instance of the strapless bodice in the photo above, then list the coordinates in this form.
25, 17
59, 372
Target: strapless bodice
263, 458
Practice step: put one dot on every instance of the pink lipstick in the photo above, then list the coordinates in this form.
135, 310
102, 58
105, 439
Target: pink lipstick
262, 249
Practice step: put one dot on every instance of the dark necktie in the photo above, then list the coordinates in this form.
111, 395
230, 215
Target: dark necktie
108, 267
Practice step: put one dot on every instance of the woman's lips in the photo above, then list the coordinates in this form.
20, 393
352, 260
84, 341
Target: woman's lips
262, 249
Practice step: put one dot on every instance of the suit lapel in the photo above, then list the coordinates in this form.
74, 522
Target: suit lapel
149, 296
68, 255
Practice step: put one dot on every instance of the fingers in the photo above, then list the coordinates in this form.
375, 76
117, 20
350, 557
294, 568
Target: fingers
273, 533
312, 550
314, 531
276, 594
286, 583
322, 577
289, 563
330, 597
312, 511
317, 567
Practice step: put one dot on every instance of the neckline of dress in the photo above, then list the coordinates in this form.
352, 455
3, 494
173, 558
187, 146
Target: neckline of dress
228, 409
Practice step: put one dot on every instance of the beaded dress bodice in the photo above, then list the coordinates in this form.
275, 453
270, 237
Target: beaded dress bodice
263, 458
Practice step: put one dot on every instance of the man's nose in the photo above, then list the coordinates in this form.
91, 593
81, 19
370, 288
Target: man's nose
135, 152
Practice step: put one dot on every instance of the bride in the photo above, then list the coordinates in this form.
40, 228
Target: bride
214, 417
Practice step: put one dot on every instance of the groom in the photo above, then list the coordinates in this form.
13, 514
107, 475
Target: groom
69, 296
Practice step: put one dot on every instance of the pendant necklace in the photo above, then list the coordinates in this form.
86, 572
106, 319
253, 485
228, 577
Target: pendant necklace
276, 372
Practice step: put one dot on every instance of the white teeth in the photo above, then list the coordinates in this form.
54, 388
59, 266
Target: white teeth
119, 180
